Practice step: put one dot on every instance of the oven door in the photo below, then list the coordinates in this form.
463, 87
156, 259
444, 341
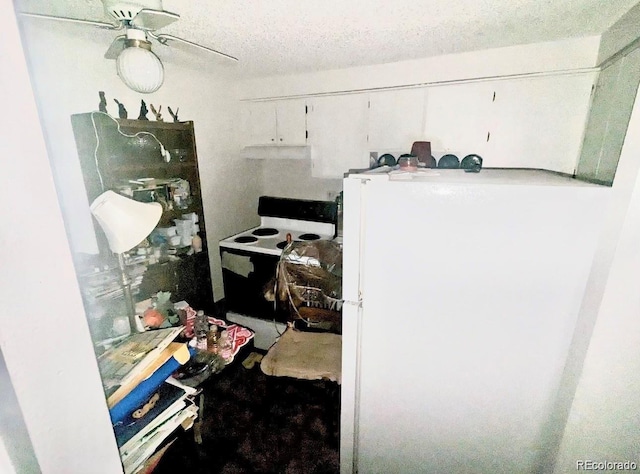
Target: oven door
246, 276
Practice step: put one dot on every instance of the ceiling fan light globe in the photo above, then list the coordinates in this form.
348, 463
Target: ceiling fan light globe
140, 70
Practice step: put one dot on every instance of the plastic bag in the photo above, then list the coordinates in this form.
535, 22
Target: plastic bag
309, 282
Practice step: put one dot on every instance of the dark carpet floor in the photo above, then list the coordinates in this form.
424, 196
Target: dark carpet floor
258, 424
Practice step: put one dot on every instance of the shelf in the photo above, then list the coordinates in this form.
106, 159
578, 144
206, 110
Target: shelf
176, 167
168, 216
126, 154
147, 124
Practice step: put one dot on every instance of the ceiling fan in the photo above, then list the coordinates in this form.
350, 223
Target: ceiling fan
138, 67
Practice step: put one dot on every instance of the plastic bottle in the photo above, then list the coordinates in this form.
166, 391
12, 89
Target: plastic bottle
201, 330
196, 243
212, 339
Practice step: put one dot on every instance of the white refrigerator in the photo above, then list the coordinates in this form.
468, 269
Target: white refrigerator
461, 294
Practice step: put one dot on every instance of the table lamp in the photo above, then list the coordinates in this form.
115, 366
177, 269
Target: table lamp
125, 223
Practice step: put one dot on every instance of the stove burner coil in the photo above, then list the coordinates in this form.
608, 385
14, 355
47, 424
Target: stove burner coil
282, 244
309, 237
245, 239
265, 231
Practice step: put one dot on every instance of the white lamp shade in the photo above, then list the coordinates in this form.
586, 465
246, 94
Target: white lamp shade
125, 222
140, 70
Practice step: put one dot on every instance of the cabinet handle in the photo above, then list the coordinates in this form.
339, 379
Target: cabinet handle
273, 139
281, 139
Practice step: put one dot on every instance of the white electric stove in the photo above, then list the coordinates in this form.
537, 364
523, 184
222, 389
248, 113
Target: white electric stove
270, 237
249, 258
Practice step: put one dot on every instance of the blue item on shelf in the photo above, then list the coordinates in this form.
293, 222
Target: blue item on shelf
161, 399
144, 390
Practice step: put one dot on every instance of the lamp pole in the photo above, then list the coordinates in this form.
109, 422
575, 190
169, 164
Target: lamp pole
125, 223
125, 281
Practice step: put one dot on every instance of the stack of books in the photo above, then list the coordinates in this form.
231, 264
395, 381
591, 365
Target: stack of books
146, 404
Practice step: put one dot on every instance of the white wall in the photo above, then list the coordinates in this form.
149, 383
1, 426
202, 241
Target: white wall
293, 179
620, 34
613, 99
16, 449
596, 414
44, 336
609, 118
6, 465
603, 422
67, 75
540, 57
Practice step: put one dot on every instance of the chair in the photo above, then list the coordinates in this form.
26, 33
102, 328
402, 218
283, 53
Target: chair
308, 284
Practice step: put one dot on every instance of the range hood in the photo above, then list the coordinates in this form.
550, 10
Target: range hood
276, 152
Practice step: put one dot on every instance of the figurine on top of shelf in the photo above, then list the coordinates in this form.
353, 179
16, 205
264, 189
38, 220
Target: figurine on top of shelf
122, 112
174, 115
157, 113
143, 111
102, 107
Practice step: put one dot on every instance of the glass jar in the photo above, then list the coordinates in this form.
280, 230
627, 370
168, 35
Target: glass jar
408, 162
212, 339
225, 346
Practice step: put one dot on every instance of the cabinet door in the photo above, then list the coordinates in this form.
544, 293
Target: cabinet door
396, 119
458, 118
539, 122
259, 123
291, 118
338, 134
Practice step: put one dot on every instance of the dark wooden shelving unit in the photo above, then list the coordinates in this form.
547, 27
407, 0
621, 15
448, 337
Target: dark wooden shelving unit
113, 151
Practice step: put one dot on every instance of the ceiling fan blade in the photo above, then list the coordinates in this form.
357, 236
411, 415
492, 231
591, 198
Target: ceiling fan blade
167, 39
99, 24
152, 20
116, 47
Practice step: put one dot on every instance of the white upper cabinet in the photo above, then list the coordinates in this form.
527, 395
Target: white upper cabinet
291, 122
338, 134
539, 122
458, 118
396, 119
281, 122
526, 122
258, 123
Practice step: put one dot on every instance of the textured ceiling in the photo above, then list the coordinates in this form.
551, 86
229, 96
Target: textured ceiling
288, 36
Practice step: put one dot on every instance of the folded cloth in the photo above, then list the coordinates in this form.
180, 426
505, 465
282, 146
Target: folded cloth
239, 336
305, 355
